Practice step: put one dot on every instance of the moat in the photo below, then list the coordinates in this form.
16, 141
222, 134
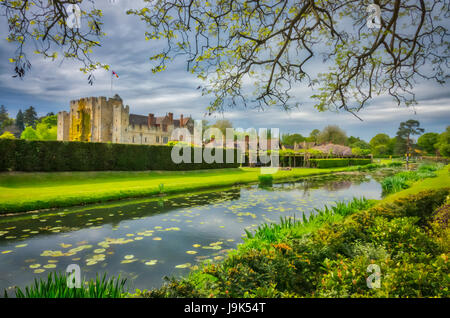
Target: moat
147, 239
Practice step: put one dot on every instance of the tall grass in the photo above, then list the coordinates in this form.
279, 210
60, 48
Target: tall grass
274, 232
403, 180
55, 286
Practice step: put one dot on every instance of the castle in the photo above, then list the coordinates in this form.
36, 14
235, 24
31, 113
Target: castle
98, 119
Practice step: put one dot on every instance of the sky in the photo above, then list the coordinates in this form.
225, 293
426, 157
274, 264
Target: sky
50, 86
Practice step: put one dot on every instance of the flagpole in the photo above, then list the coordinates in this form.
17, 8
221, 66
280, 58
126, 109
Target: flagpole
111, 84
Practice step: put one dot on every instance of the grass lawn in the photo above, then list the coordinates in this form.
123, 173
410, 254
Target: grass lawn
32, 191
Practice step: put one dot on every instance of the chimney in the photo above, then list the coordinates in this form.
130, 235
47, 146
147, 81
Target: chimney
171, 118
181, 121
150, 120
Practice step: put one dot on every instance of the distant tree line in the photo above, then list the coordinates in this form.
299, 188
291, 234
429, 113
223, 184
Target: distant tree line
27, 125
381, 145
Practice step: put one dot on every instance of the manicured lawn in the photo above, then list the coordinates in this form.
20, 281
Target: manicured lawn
32, 191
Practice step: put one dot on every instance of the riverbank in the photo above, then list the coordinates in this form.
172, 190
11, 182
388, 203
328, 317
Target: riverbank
21, 192
404, 237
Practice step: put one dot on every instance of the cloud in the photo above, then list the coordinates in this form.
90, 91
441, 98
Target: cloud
51, 85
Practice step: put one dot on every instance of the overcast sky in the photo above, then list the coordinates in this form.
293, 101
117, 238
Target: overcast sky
50, 86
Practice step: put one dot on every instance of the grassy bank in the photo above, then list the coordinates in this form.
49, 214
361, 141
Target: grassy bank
32, 191
328, 255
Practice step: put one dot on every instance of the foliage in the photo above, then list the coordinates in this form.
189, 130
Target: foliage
291, 139
56, 287
403, 180
30, 117
29, 133
33, 155
338, 162
428, 141
381, 145
443, 143
265, 180
228, 42
46, 129
328, 255
44, 28
405, 131
20, 123
360, 152
7, 135
333, 134
222, 125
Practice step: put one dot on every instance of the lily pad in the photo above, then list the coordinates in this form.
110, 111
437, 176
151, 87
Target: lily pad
150, 263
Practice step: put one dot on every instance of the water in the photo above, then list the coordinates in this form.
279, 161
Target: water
145, 240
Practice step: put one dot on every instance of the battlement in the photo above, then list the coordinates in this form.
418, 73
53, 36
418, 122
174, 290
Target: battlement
102, 119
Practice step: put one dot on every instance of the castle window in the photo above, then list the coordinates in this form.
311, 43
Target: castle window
157, 139
165, 140
145, 139
164, 127
133, 139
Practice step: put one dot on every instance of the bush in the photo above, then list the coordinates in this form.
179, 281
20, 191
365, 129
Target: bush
338, 162
26, 155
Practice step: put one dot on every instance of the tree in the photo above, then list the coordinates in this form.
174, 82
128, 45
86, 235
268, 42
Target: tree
333, 134
46, 129
381, 145
443, 143
30, 117
222, 125
20, 120
45, 26
360, 144
313, 135
288, 139
273, 43
404, 133
29, 133
3, 115
428, 141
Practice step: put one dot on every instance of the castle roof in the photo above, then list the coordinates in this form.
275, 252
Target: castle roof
143, 120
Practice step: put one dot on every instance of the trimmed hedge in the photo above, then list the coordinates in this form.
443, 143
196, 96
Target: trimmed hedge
25, 155
338, 162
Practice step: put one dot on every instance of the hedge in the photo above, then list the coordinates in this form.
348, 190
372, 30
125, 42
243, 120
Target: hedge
338, 162
24, 155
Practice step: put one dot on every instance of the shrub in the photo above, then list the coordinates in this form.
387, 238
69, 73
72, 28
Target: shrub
26, 155
338, 162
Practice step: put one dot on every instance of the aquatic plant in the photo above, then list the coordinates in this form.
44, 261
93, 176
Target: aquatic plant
265, 180
55, 286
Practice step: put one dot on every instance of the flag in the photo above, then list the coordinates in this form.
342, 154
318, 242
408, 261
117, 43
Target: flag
114, 73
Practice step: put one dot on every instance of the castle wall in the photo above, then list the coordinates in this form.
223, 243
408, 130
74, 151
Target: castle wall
63, 126
98, 119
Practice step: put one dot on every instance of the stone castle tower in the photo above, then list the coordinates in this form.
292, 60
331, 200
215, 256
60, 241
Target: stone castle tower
98, 119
